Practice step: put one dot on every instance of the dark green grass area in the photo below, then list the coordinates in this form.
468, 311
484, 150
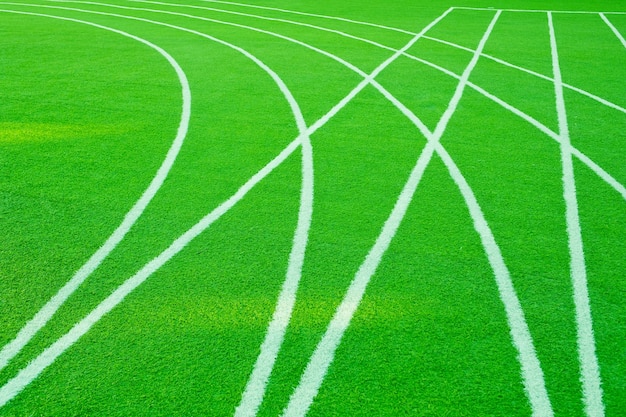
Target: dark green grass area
87, 116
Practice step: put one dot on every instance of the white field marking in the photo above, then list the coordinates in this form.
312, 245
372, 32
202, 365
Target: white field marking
257, 383
537, 11
603, 174
316, 369
314, 15
50, 354
589, 368
14, 386
614, 29
531, 72
11, 349
321, 28
368, 41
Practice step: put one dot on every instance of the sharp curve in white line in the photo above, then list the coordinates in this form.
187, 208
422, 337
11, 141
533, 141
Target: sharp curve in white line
593, 166
11, 349
45, 359
589, 368
614, 29
317, 367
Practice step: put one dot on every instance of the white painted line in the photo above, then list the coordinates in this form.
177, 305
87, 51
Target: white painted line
316, 369
313, 15
536, 74
537, 11
590, 370
347, 35
603, 174
614, 29
321, 28
14, 386
10, 350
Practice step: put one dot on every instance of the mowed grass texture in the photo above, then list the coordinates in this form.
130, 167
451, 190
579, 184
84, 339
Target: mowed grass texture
421, 279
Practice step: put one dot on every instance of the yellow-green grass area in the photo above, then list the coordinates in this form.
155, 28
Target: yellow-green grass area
93, 99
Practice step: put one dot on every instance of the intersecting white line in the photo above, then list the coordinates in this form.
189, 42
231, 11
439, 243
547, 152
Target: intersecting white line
586, 160
11, 349
49, 355
574, 151
589, 368
614, 29
323, 356
536, 74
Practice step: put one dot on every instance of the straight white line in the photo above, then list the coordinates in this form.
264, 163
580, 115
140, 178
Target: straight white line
11, 349
313, 15
589, 368
26, 375
320, 361
537, 11
614, 29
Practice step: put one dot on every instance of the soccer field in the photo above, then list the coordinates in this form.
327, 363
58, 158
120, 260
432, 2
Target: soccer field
322, 208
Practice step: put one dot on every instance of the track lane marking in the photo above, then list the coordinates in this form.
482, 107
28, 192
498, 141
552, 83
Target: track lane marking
32, 327
589, 368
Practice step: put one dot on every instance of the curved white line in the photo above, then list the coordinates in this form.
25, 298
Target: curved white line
314, 15
589, 367
49, 355
323, 356
583, 158
11, 349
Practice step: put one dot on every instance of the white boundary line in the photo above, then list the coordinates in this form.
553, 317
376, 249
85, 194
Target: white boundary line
614, 29
316, 369
46, 358
589, 368
593, 166
11, 349
536, 74
537, 11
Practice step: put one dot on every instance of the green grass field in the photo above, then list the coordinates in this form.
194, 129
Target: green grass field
330, 208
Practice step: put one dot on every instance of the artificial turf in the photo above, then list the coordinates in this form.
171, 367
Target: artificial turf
87, 115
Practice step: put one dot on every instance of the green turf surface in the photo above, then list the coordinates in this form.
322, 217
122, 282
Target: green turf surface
88, 114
